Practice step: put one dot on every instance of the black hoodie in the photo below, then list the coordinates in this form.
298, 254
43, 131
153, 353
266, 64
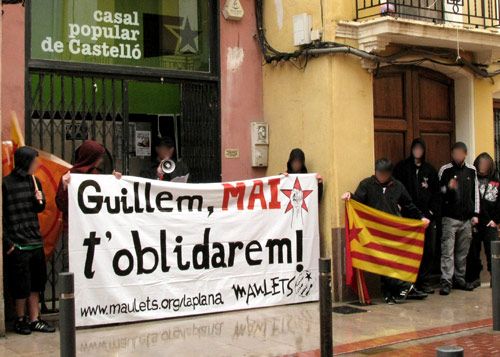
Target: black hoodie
421, 182
489, 186
390, 197
20, 206
298, 154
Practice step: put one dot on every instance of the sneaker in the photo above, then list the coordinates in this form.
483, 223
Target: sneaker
390, 300
415, 294
22, 327
445, 290
42, 326
476, 283
426, 289
465, 287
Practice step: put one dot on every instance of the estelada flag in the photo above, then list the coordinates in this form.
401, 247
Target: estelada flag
382, 243
50, 172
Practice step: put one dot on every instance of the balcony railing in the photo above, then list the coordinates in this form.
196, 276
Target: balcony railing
474, 13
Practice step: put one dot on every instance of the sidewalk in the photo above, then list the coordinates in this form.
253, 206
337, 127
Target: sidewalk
287, 330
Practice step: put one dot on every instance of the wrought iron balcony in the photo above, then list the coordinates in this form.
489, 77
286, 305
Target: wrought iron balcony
474, 13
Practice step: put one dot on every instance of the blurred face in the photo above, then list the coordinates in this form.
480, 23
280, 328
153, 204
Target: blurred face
484, 166
383, 176
164, 153
34, 166
418, 152
296, 165
458, 155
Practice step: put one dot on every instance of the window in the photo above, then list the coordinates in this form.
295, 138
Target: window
167, 34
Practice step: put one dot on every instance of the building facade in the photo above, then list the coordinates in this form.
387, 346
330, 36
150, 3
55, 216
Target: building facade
382, 74
125, 72
106, 69
374, 76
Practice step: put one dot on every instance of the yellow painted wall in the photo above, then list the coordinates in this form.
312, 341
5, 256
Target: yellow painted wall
296, 106
325, 109
353, 127
278, 21
483, 115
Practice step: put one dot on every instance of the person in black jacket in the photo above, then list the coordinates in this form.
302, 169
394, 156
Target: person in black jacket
297, 165
387, 194
421, 181
26, 272
460, 195
165, 150
486, 230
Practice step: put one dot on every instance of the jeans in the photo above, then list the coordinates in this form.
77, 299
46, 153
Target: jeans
483, 236
455, 243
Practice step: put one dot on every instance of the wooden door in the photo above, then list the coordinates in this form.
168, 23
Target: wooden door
412, 102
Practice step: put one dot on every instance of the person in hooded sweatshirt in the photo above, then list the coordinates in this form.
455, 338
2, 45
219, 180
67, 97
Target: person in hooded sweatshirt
26, 271
422, 183
381, 191
297, 165
486, 230
88, 158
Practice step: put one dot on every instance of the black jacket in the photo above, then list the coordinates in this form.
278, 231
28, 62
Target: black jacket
489, 199
388, 198
463, 203
422, 184
20, 206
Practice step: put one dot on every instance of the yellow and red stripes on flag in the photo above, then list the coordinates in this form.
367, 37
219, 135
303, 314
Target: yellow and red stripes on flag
384, 244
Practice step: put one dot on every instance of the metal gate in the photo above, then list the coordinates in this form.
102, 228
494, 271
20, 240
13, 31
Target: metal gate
65, 109
200, 131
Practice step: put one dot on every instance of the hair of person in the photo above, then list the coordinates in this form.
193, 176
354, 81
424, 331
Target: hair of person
296, 154
459, 145
383, 165
486, 156
165, 141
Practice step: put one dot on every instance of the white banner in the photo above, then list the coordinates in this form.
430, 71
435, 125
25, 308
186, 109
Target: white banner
143, 249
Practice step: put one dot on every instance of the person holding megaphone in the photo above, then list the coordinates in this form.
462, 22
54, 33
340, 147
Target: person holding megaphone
166, 167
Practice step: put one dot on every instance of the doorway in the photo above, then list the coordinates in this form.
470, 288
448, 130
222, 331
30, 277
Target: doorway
65, 109
412, 102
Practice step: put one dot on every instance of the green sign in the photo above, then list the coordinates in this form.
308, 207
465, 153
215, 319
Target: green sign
168, 34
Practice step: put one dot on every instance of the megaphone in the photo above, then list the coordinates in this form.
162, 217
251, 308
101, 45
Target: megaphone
167, 166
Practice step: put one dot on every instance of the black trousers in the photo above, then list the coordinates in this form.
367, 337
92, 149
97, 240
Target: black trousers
425, 270
393, 287
483, 236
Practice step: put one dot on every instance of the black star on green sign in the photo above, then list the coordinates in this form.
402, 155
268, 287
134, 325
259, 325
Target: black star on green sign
188, 38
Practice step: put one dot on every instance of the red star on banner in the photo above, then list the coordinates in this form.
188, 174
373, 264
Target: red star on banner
296, 187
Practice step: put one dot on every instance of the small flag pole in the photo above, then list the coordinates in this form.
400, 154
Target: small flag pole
36, 188
361, 292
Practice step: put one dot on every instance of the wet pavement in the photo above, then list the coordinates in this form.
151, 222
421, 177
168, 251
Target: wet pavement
287, 330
